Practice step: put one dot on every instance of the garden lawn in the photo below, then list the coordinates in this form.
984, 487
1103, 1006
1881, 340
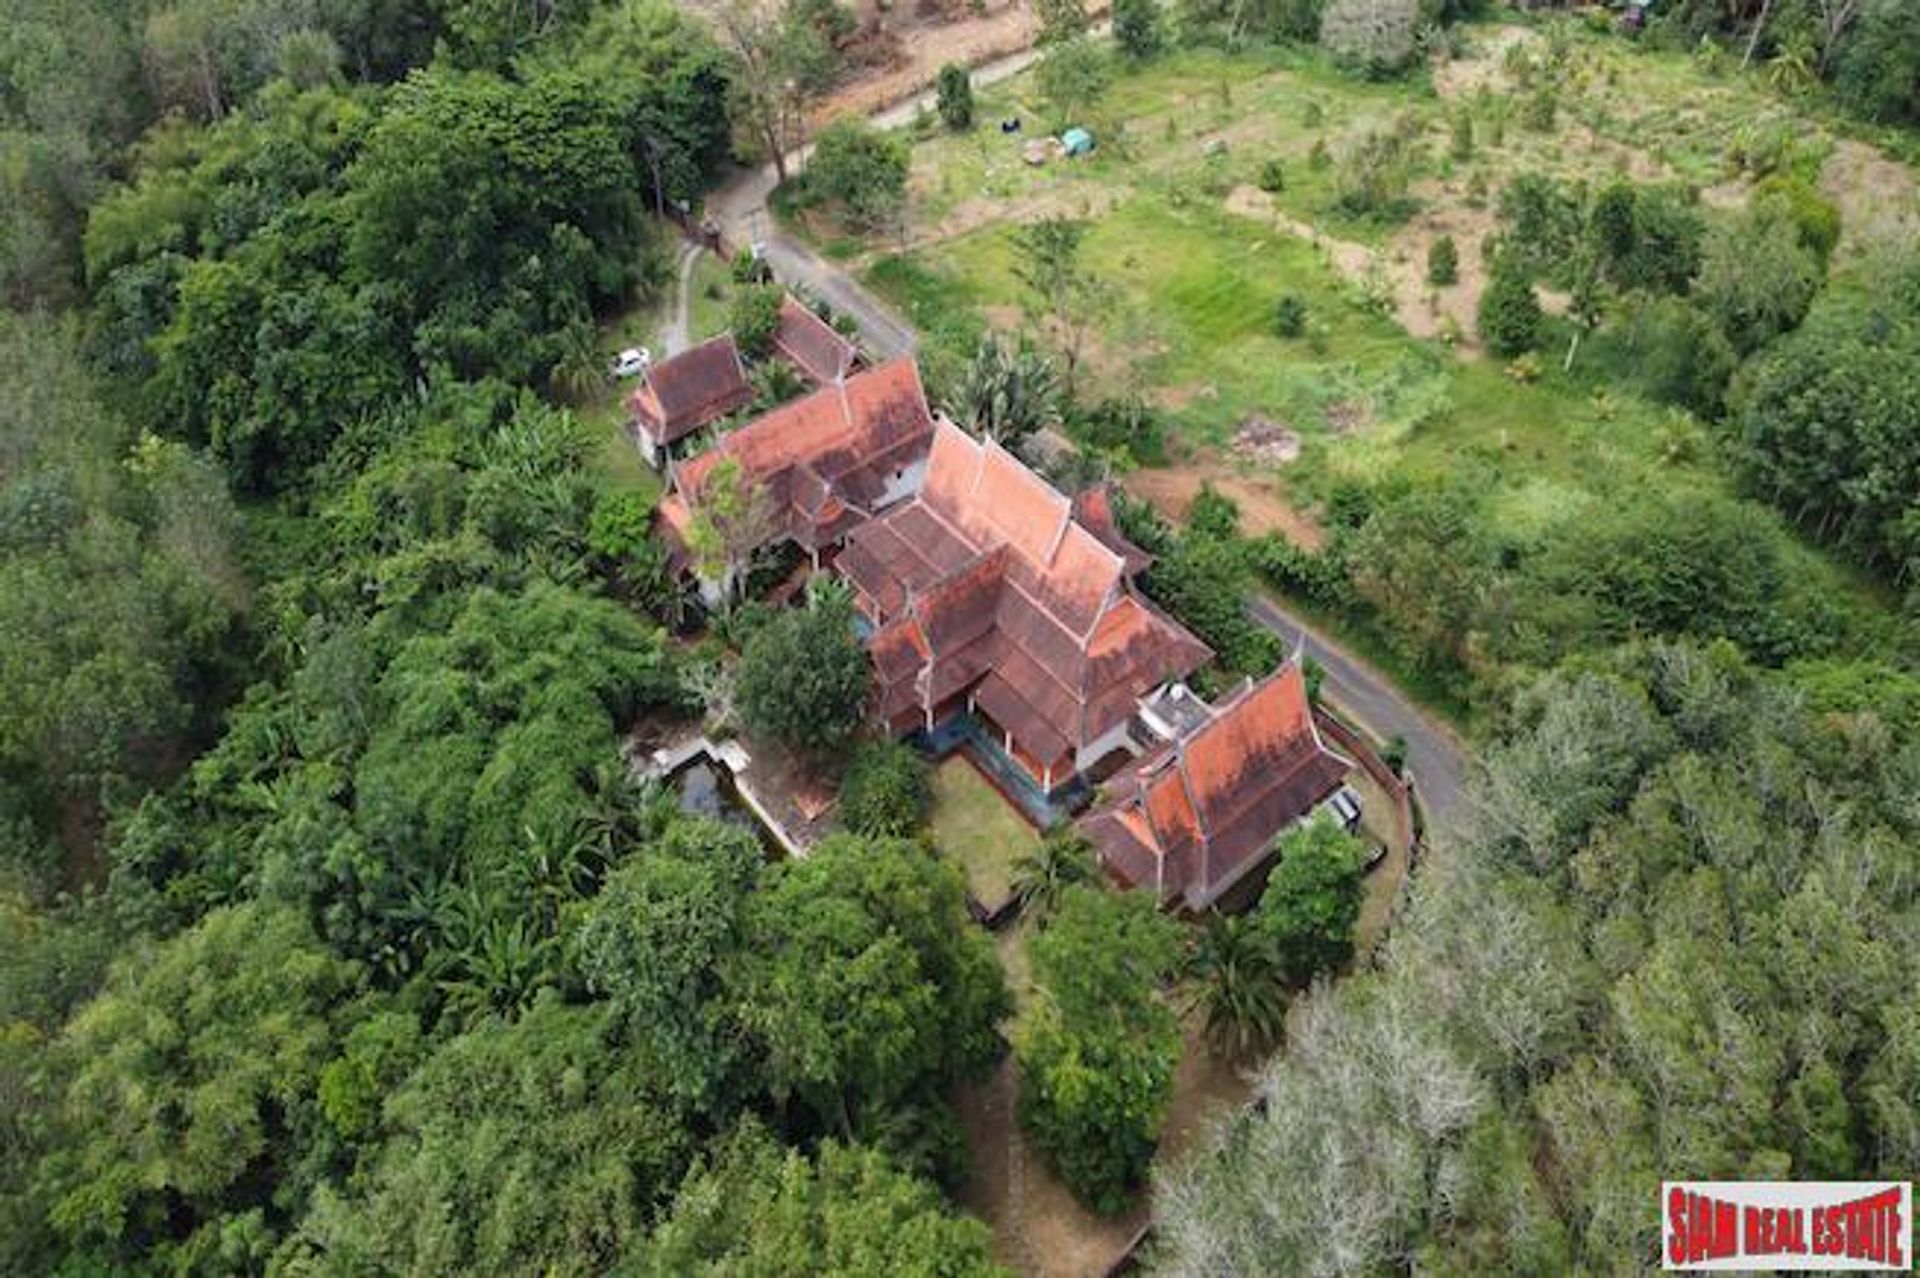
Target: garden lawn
979, 829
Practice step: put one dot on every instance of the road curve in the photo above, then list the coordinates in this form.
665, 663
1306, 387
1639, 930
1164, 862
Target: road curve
739, 206
1436, 757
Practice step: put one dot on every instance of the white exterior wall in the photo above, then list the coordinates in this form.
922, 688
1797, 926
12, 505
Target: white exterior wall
904, 485
649, 450
1118, 737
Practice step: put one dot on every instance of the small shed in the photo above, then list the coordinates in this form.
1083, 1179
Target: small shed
1076, 141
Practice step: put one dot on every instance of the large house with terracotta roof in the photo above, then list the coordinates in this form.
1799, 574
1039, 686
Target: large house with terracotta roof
820, 465
811, 345
678, 396
993, 593
994, 601
1196, 816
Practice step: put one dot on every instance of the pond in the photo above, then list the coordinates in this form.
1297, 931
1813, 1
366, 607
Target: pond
707, 789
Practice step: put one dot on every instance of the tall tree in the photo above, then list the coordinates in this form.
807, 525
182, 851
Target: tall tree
804, 676
658, 942
536, 1147
782, 61
1061, 295
196, 1066
1097, 1049
757, 1208
1312, 900
864, 983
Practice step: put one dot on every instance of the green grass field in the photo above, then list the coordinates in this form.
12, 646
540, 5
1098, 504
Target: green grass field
1192, 274
979, 829
644, 324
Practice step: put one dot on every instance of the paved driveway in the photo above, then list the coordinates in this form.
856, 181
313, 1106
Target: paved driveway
739, 205
1436, 757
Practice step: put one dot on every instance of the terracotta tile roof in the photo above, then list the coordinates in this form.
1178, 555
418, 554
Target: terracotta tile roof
698, 386
1093, 510
1196, 816
826, 459
810, 344
1003, 582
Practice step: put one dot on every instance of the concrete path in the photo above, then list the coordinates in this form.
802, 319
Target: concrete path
678, 334
1436, 757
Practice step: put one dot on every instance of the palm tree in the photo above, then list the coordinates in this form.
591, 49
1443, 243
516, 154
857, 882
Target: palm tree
1238, 968
1007, 392
579, 370
1042, 876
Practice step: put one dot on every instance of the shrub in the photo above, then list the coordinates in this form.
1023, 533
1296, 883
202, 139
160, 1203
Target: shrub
1273, 177
1815, 218
1213, 514
1375, 37
1681, 356
1510, 317
1127, 424
1758, 277
1443, 262
1540, 108
753, 316
1461, 136
1540, 222
1290, 316
955, 97
860, 168
1374, 173
1320, 578
1137, 27
1524, 368
886, 792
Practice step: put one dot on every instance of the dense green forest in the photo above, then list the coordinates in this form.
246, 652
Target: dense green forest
336, 936
1679, 935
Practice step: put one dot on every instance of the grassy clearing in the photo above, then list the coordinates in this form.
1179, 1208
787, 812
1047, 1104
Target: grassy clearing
709, 298
1194, 267
1156, 128
645, 324
979, 829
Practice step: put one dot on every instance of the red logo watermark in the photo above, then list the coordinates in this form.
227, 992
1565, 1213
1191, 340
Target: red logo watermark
1773, 1224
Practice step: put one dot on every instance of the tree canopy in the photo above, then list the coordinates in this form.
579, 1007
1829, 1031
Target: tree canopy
1097, 1049
759, 1209
803, 675
1664, 946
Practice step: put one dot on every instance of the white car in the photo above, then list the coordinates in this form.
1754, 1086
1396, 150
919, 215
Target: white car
632, 362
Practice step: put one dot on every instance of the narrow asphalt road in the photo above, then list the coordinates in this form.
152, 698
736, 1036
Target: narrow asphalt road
739, 206
1436, 757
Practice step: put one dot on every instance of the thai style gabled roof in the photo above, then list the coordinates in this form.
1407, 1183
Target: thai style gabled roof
811, 345
1195, 817
698, 386
1013, 599
1093, 508
824, 460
